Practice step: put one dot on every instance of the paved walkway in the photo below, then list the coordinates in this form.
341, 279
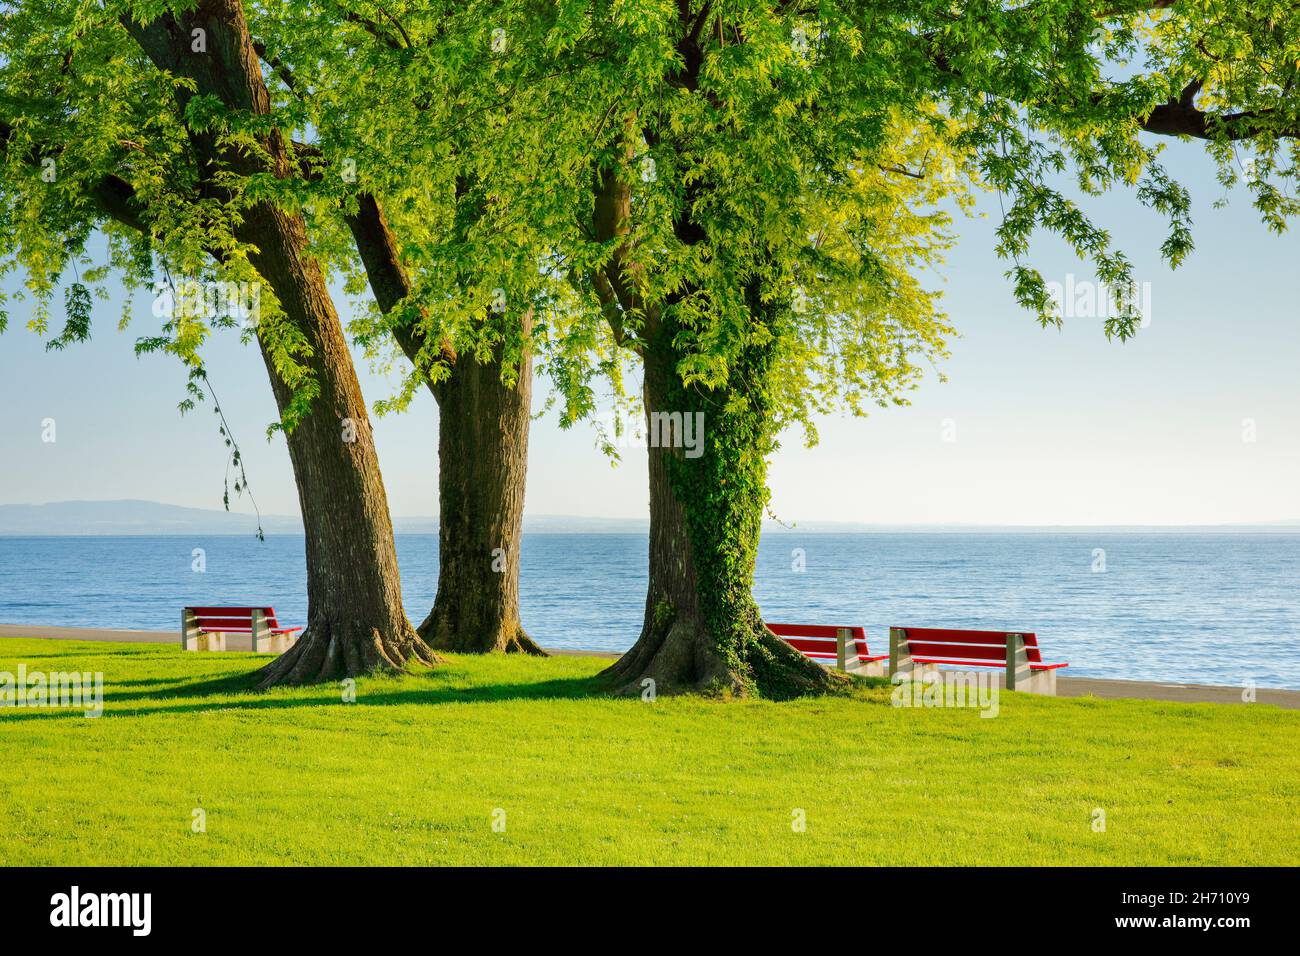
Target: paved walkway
1065, 686
1182, 693
92, 634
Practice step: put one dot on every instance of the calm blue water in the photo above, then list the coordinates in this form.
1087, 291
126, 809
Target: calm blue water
1209, 608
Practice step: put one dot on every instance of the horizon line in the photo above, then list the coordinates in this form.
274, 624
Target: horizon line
974, 525
768, 522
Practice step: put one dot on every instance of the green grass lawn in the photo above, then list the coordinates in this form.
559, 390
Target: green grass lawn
414, 771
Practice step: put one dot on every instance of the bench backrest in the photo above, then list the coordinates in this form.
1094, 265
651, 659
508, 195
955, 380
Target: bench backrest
230, 618
818, 640
988, 646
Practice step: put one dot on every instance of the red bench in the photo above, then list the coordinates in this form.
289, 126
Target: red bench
1018, 653
207, 629
823, 643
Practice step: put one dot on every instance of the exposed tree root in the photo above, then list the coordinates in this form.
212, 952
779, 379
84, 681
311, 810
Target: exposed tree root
680, 656
509, 638
331, 649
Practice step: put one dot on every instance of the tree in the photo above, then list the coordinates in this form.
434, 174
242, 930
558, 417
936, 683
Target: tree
417, 83
762, 214
483, 416
179, 144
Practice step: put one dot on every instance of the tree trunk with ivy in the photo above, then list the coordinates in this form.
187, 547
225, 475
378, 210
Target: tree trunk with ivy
355, 620
482, 466
703, 630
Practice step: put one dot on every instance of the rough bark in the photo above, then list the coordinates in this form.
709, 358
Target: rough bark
703, 630
355, 620
482, 467
482, 459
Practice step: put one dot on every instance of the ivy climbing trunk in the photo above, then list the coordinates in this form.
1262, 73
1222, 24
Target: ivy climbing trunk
355, 620
702, 628
482, 467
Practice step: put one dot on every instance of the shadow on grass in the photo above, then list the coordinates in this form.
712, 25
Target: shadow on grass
236, 693
78, 655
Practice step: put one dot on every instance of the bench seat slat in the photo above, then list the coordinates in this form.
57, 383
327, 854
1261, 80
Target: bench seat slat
816, 644
833, 653
824, 647
816, 631
1033, 665
944, 635
208, 625
231, 611
972, 645
971, 652
820, 642
230, 624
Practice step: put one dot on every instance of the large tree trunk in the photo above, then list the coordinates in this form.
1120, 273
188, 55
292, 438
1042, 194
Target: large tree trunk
482, 460
355, 621
482, 466
703, 629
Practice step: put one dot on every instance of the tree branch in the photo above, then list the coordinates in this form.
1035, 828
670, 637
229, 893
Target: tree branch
1178, 118
112, 195
277, 66
377, 246
373, 28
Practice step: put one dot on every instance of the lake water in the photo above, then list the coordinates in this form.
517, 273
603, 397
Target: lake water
1208, 608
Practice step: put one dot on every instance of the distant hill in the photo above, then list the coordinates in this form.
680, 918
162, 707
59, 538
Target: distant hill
129, 517
133, 517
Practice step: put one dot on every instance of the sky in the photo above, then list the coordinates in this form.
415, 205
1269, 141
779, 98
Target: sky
1195, 421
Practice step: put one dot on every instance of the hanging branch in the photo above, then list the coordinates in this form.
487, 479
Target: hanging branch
236, 460
198, 374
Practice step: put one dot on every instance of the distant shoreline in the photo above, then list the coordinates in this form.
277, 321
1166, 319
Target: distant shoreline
138, 518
